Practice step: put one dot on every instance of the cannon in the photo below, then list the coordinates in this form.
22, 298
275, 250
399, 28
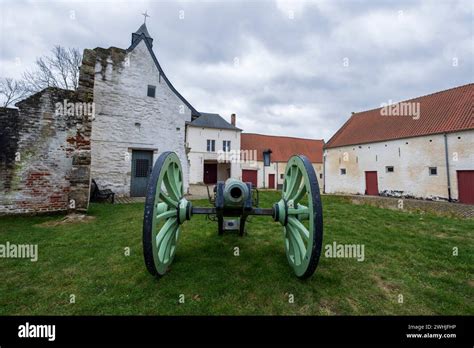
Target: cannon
299, 212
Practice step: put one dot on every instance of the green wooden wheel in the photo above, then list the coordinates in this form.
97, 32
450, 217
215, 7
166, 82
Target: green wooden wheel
300, 213
165, 210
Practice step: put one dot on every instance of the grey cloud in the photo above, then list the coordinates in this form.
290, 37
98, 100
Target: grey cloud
291, 79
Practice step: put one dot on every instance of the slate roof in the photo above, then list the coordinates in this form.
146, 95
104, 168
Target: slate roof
209, 120
441, 112
143, 30
143, 34
283, 147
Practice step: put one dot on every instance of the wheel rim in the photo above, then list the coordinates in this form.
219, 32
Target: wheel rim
300, 213
165, 211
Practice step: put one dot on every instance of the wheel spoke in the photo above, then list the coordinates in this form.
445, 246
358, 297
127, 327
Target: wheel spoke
300, 194
178, 182
164, 231
300, 249
165, 215
291, 249
168, 244
294, 184
169, 182
295, 223
297, 183
289, 182
298, 211
168, 200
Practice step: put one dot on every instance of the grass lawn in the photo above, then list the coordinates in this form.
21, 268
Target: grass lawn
405, 253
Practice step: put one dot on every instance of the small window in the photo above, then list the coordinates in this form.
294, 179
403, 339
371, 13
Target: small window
320, 175
282, 176
433, 170
151, 91
343, 171
211, 145
389, 169
226, 145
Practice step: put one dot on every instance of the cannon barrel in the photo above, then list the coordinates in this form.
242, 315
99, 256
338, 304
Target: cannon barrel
236, 193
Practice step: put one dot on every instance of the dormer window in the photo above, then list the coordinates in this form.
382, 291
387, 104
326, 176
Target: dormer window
151, 91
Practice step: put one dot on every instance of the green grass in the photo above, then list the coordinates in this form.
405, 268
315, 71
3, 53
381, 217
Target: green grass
405, 253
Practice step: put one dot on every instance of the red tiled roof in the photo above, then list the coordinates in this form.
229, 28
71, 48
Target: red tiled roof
446, 111
283, 147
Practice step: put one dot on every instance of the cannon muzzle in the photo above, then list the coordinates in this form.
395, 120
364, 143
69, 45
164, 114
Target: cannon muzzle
236, 193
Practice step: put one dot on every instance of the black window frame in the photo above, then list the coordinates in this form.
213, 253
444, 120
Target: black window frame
211, 145
435, 169
224, 147
389, 169
342, 171
151, 88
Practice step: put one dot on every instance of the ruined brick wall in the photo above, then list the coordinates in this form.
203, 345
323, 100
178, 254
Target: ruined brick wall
45, 154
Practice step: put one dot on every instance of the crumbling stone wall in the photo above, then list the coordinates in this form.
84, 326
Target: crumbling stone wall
45, 152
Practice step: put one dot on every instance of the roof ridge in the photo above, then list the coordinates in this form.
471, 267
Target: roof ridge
445, 111
161, 71
421, 96
282, 136
340, 130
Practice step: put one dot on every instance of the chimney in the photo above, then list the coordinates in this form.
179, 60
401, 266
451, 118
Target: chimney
232, 119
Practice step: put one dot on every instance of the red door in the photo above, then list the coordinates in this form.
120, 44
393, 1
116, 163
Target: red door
210, 173
249, 176
466, 186
371, 184
271, 181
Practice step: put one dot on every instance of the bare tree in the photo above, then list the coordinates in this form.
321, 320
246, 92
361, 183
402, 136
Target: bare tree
12, 91
60, 69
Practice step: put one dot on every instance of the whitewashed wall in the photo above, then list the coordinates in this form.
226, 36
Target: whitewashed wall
197, 142
120, 95
411, 159
278, 168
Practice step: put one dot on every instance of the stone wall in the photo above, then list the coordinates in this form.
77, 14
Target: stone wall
127, 119
414, 205
45, 151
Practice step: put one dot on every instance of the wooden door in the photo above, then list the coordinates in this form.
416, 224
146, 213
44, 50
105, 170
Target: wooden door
466, 186
210, 173
271, 181
249, 176
371, 184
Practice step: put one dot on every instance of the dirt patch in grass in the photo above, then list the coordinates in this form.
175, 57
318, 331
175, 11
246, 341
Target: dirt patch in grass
68, 219
328, 307
386, 287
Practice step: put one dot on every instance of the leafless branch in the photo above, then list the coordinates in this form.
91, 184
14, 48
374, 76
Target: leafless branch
12, 91
60, 69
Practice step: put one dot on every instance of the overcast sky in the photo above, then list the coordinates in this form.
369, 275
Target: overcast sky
284, 67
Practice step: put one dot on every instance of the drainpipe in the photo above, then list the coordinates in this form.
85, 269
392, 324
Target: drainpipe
324, 171
276, 179
447, 165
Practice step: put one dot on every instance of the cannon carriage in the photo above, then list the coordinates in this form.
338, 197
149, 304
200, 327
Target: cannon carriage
299, 212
